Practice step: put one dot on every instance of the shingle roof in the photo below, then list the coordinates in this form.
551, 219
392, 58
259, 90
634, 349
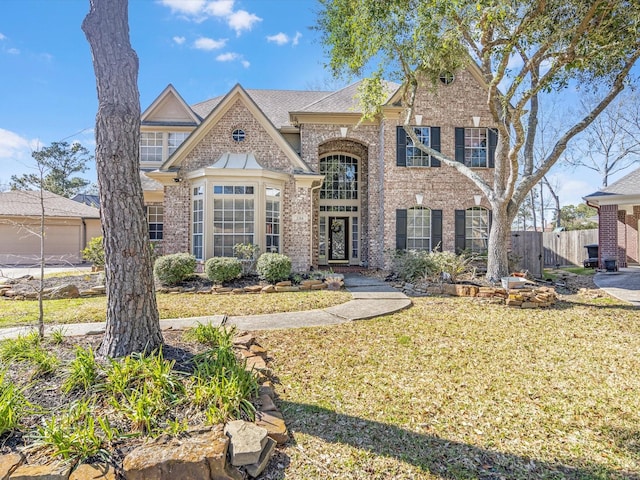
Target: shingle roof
627, 185
25, 203
87, 199
275, 104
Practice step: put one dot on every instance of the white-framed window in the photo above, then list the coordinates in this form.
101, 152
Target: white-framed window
415, 156
341, 177
197, 223
151, 146
272, 220
175, 140
475, 147
419, 228
476, 224
155, 219
233, 217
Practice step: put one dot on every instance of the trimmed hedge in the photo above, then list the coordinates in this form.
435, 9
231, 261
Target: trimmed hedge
175, 268
274, 267
222, 269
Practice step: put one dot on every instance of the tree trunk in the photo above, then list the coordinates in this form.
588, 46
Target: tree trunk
499, 241
132, 313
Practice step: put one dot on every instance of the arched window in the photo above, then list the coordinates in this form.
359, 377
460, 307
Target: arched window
419, 228
341, 177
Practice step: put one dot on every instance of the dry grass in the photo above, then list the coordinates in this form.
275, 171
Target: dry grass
454, 388
16, 312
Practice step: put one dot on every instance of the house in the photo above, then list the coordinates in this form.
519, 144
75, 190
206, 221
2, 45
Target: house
299, 173
69, 226
618, 221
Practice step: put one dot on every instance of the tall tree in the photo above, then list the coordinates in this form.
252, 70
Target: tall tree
132, 313
60, 161
611, 143
524, 49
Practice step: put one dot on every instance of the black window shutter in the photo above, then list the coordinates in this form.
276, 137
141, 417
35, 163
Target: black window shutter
401, 229
459, 144
493, 141
435, 144
436, 230
401, 146
460, 230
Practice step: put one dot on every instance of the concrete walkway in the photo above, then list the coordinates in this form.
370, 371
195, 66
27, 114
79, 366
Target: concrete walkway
623, 284
370, 298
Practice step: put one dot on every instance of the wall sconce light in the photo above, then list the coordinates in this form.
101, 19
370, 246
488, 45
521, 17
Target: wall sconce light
418, 119
477, 199
476, 121
343, 131
419, 198
177, 179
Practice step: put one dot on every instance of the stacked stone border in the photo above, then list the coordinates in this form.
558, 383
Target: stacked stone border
223, 452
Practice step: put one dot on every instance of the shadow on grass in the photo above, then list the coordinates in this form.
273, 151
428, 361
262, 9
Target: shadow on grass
597, 303
432, 454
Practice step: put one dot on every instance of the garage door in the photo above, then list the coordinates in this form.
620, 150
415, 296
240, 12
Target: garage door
19, 246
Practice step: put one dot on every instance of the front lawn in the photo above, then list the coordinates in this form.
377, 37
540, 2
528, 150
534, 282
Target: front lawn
16, 312
455, 388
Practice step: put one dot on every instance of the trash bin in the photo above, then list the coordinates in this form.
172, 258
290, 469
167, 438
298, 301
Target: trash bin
592, 256
610, 265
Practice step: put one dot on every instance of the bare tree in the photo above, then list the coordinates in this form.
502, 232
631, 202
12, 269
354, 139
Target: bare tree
611, 143
132, 312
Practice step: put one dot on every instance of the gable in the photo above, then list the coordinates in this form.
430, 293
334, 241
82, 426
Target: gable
169, 108
213, 137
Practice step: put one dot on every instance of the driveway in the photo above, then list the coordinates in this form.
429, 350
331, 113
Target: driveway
623, 284
20, 271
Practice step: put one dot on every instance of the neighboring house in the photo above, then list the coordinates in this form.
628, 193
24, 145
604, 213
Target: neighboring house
299, 173
69, 225
618, 220
88, 199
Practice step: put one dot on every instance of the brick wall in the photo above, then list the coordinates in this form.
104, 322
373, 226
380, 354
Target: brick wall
177, 225
448, 107
608, 233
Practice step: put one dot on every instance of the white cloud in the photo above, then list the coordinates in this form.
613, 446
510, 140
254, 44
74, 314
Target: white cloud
571, 188
14, 146
179, 40
220, 8
2, 36
204, 43
296, 39
227, 57
245, 63
242, 20
13, 51
186, 7
279, 38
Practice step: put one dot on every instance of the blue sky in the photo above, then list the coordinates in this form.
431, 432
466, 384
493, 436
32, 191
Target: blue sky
202, 47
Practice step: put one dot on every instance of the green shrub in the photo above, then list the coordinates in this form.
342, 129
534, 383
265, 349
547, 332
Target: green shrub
175, 268
28, 348
274, 267
94, 252
222, 269
412, 265
248, 254
207, 334
83, 371
449, 266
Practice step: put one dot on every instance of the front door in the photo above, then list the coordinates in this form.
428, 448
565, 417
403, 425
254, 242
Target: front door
339, 239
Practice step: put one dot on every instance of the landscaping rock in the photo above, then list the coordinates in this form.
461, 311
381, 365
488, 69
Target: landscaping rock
274, 423
284, 284
64, 291
267, 452
244, 340
200, 455
246, 442
268, 289
93, 471
256, 363
8, 463
287, 288
321, 286
266, 403
253, 289
41, 472
258, 350
311, 282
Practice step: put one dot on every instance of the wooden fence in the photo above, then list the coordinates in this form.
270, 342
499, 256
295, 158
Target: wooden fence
533, 251
526, 252
567, 248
